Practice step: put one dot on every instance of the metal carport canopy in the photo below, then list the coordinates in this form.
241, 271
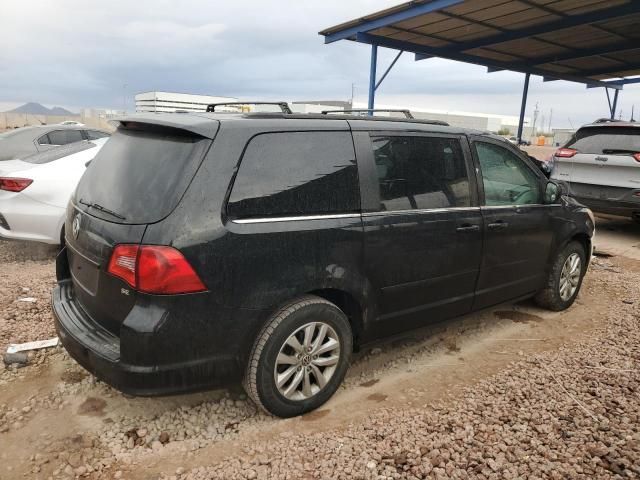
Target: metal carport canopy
595, 42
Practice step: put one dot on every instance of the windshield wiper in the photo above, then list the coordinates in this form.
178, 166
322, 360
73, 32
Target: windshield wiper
97, 206
613, 151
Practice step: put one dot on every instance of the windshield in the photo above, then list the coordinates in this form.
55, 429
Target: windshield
140, 175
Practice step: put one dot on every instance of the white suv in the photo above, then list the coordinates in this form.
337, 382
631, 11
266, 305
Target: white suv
600, 166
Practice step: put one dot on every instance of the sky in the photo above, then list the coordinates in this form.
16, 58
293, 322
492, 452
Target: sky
80, 54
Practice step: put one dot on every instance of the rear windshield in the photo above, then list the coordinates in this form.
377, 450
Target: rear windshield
139, 176
606, 140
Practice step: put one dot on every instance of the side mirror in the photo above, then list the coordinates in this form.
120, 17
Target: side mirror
552, 193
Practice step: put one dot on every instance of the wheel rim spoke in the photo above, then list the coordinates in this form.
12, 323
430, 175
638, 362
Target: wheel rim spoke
322, 334
293, 342
283, 377
329, 346
319, 376
308, 336
284, 359
295, 383
327, 361
306, 384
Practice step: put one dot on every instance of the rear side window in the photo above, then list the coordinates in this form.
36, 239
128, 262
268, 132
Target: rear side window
53, 154
96, 134
296, 173
63, 137
44, 140
606, 140
420, 172
140, 175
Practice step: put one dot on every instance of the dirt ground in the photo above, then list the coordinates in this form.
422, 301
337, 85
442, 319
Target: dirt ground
511, 392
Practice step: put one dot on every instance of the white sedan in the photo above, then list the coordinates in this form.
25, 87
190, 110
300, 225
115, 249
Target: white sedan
34, 191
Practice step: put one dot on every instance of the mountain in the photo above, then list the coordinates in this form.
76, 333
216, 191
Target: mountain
37, 109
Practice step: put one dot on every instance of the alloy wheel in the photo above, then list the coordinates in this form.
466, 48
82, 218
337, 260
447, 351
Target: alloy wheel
306, 361
570, 276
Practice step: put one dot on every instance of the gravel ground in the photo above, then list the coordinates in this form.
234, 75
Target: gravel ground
572, 413
26, 278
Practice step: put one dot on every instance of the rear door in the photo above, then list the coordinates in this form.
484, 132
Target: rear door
518, 230
423, 227
137, 178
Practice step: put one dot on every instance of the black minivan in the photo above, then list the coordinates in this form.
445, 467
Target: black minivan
202, 249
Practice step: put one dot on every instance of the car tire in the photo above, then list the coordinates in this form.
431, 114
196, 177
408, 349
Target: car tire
308, 341
564, 281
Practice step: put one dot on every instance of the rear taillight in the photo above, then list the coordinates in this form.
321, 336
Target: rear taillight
565, 152
123, 263
14, 184
154, 269
636, 156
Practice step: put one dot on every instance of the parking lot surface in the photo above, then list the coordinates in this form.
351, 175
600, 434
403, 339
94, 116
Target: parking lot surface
512, 392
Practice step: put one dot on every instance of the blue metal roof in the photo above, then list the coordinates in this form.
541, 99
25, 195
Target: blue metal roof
586, 41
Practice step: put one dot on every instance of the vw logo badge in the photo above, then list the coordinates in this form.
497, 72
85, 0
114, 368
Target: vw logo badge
75, 226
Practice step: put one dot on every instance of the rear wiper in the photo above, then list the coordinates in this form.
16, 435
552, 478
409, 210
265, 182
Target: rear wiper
613, 151
97, 206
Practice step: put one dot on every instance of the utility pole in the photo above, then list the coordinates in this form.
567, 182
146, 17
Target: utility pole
353, 87
550, 116
535, 118
632, 112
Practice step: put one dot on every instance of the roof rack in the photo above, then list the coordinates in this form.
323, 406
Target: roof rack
284, 106
607, 120
407, 113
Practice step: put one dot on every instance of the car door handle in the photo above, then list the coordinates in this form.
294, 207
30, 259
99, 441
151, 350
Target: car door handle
499, 225
468, 228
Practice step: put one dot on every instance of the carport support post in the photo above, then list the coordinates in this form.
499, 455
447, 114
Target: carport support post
615, 104
372, 77
523, 107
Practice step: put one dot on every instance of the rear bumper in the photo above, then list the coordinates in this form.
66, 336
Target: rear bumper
98, 351
27, 219
606, 199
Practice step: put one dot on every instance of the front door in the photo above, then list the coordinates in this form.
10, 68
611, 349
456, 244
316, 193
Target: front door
517, 224
422, 230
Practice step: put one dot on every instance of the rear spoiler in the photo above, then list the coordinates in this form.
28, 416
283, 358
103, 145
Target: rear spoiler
200, 125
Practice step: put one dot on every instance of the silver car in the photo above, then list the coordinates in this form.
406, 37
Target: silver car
600, 167
21, 142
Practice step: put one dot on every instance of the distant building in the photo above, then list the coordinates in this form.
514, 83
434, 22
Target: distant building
171, 102
562, 135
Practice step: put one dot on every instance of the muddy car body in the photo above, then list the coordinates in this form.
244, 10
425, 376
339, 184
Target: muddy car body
203, 249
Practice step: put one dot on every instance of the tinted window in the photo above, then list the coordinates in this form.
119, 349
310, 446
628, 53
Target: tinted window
506, 178
57, 153
95, 134
141, 174
599, 140
62, 137
44, 140
420, 172
296, 173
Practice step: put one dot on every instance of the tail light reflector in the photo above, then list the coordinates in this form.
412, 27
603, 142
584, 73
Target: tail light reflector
154, 269
565, 152
14, 184
636, 156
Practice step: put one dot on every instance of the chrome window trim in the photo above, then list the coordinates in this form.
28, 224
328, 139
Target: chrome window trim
420, 210
295, 218
523, 205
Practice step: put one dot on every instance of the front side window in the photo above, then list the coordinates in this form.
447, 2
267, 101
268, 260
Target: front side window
63, 137
296, 173
506, 178
417, 172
